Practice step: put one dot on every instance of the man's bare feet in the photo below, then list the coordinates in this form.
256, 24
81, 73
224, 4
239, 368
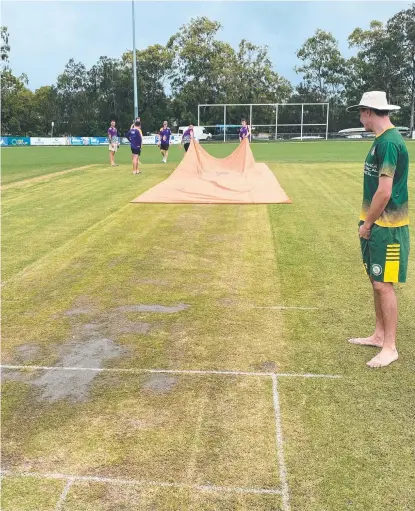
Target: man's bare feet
367, 341
385, 357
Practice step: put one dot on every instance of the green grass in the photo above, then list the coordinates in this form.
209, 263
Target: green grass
77, 258
28, 162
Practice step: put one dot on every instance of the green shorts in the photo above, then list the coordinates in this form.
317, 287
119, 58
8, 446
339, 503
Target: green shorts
385, 253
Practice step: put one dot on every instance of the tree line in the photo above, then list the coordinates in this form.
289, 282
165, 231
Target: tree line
195, 66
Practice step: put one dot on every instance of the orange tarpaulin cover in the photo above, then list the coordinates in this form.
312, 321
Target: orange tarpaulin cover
202, 179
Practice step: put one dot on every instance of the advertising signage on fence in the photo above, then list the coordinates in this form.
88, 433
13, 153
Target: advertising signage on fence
99, 141
80, 141
149, 139
77, 141
18, 141
49, 141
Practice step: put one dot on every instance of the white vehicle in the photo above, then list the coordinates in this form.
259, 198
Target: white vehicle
362, 133
199, 132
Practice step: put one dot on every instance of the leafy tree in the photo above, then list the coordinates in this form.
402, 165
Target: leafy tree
5, 47
153, 67
401, 30
323, 66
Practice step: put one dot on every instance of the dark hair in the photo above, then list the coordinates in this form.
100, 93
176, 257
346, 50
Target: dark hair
243, 119
380, 113
137, 123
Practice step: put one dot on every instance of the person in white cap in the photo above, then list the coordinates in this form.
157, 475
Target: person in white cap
383, 226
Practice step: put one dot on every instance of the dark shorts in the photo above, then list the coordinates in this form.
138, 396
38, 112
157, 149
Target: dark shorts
136, 150
186, 146
385, 253
164, 147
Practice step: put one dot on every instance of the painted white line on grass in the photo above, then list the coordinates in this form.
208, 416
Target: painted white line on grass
64, 494
309, 375
133, 482
284, 307
168, 371
280, 446
134, 371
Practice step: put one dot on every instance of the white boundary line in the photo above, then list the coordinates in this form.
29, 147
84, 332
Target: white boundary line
280, 444
284, 491
169, 371
284, 307
97, 479
64, 494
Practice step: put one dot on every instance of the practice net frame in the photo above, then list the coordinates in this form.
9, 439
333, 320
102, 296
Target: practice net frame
282, 129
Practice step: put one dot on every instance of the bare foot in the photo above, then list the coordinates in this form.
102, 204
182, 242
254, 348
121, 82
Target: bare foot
367, 341
385, 357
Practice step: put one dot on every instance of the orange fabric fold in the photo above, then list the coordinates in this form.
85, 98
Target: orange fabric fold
203, 179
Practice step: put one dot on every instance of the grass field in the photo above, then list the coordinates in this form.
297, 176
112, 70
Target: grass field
202, 347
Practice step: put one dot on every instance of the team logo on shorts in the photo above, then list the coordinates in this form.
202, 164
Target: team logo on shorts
376, 269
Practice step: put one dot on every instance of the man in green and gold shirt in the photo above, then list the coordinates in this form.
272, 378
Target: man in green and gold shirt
383, 226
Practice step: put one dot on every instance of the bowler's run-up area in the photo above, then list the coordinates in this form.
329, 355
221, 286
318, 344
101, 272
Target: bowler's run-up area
182, 356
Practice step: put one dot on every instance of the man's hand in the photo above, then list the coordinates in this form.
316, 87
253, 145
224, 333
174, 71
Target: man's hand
364, 231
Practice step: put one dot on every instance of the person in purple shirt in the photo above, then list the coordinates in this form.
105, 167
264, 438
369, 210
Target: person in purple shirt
244, 132
114, 142
135, 138
164, 141
188, 135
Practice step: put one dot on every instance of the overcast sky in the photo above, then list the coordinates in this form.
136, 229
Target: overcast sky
45, 35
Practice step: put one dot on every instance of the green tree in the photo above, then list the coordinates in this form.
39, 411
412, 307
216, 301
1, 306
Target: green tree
323, 66
72, 99
45, 108
207, 70
401, 30
255, 79
202, 67
377, 65
324, 74
153, 68
5, 47
17, 114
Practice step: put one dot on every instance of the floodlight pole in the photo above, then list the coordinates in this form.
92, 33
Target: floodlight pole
134, 66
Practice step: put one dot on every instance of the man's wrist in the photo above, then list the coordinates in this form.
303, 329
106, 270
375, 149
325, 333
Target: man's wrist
367, 225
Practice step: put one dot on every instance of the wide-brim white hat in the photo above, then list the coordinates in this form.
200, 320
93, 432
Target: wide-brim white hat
375, 99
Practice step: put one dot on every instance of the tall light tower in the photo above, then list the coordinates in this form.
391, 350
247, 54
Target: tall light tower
134, 67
